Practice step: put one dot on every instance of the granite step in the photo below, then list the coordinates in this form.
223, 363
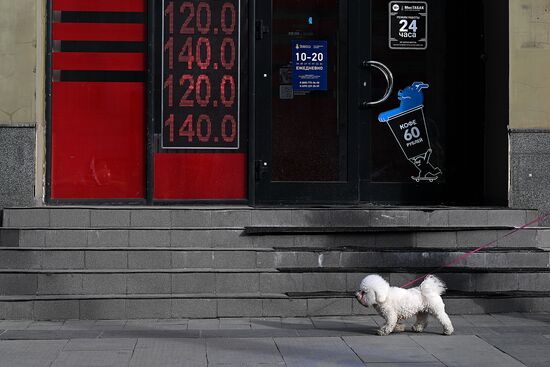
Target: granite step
134, 262
159, 306
283, 258
168, 281
383, 237
245, 216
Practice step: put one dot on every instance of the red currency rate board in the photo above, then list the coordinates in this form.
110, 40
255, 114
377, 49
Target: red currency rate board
200, 84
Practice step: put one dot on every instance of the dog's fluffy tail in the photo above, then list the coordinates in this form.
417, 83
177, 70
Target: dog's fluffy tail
432, 285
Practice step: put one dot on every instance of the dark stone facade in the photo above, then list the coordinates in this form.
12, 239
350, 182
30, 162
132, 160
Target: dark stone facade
17, 167
530, 169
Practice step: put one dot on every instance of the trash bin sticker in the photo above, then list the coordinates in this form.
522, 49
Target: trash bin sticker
408, 25
408, 126
309, 61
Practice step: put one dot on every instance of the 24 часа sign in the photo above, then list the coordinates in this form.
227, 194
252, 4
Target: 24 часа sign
408, 25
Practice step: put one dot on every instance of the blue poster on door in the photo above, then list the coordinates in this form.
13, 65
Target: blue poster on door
309, 65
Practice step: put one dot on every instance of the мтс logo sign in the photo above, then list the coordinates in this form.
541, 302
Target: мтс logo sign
395, 7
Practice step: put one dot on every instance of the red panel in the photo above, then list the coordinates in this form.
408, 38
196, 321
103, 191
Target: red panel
200, 176
98, 61
98, 140
98, 32
100, 5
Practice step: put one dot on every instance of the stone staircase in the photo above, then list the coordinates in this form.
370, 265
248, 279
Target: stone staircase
129, 262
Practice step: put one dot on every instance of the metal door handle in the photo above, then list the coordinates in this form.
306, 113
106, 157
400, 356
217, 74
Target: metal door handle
389, 80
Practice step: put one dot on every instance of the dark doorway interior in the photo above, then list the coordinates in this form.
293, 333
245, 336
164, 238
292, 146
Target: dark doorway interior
318, 138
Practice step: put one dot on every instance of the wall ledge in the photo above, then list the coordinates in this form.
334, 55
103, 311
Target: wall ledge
18, 125
535, 131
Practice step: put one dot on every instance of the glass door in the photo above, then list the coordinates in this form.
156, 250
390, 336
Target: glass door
369, 101
306, 102
424, 143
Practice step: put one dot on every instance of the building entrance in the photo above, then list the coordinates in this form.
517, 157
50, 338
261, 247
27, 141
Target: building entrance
276, 102
374, 101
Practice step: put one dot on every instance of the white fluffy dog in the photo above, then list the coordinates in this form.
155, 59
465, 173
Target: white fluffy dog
395, 304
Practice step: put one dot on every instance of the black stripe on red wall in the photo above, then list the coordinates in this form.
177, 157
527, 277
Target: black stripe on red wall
98, 76
99, 46
99, 17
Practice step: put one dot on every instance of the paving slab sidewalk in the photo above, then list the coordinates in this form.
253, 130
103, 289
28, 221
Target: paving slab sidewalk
483, 340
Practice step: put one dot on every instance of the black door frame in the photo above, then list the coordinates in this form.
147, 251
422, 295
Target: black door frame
387, 193
454, 191
268, 192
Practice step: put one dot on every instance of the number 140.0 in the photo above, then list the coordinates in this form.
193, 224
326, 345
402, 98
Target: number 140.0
202, 129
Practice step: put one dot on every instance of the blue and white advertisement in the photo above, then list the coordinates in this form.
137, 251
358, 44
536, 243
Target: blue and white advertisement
408, 126
309, 65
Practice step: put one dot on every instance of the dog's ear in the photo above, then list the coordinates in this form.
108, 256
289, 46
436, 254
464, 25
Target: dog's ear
375, 297
370, 296
382, 292
376, 289
381, 295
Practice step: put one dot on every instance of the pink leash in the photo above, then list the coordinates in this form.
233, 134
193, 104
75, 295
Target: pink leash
536, 220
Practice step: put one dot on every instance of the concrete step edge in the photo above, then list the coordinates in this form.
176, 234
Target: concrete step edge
265, 296
417, 270
367, 249
140, 271
314, 248
292, 270
301, 249
141, 296
448, 294
124, 228
136, 248
328, 229
285, 229
359, 207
